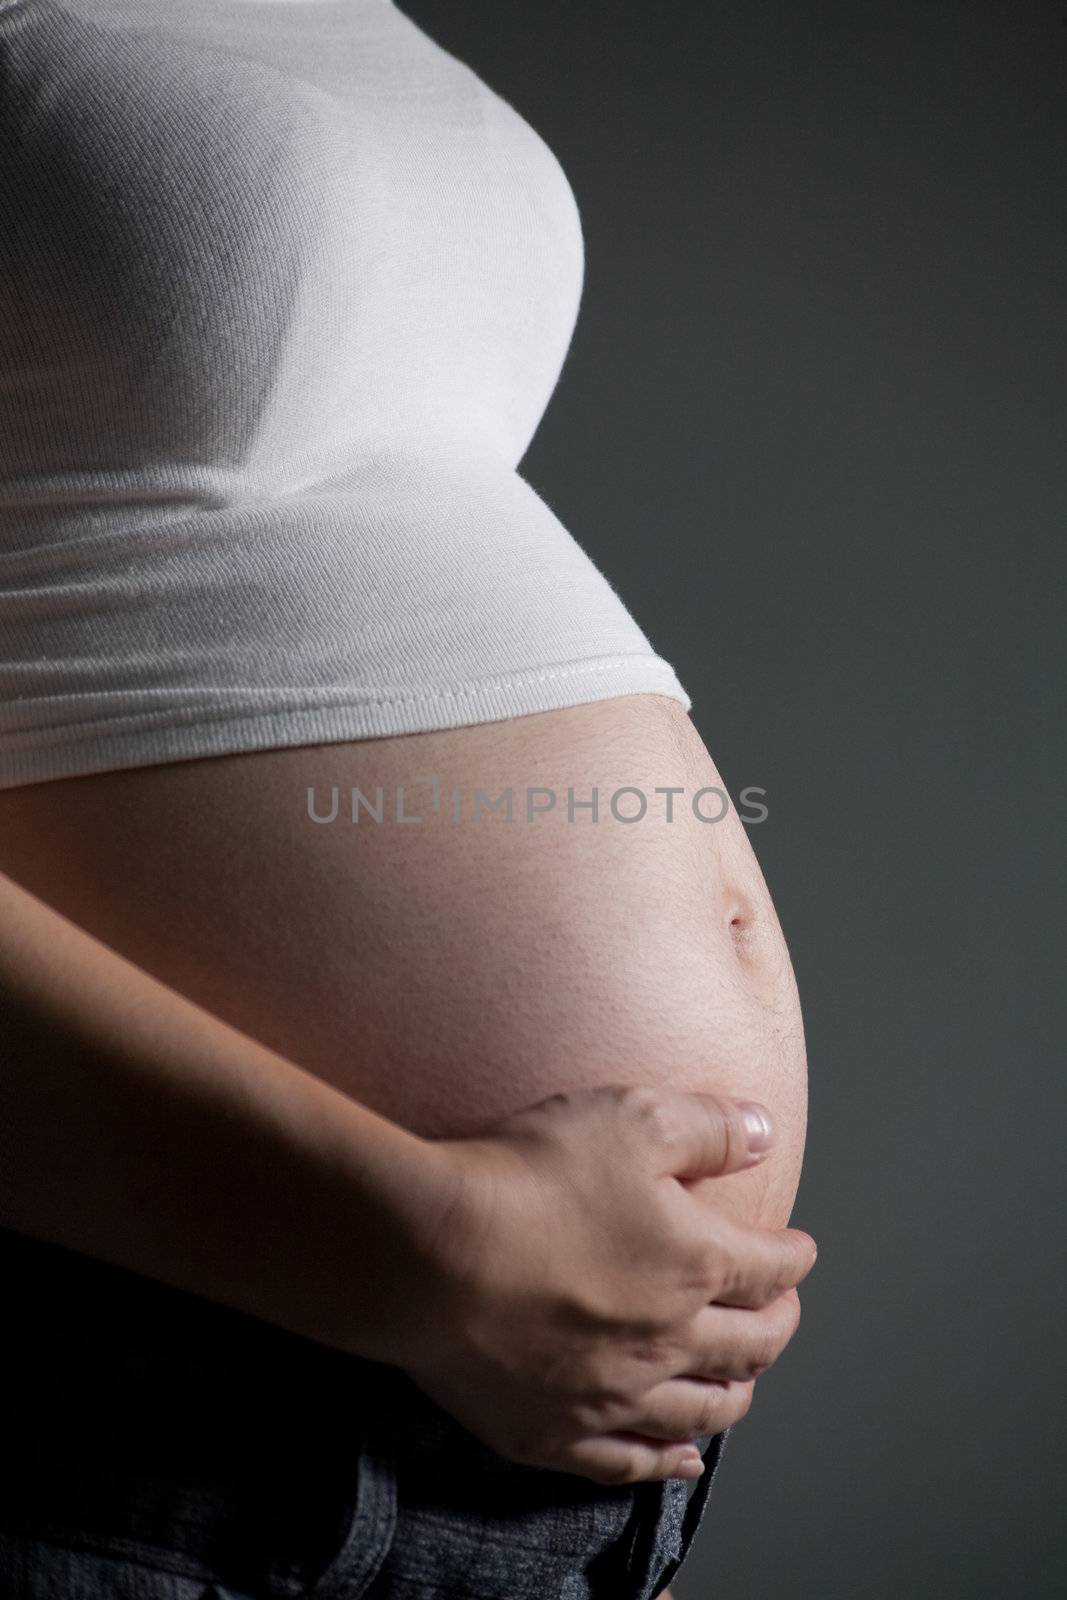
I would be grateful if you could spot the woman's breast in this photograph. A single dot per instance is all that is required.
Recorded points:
(372, 911)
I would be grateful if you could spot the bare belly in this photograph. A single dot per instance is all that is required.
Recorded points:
(447, 971)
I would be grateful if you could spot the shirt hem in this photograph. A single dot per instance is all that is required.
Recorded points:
(233, 727)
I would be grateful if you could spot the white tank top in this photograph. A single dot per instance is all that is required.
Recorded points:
(285, 290)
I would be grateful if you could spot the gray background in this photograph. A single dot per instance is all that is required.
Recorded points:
(811, 427)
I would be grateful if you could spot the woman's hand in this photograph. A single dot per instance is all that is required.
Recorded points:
(593, 1315)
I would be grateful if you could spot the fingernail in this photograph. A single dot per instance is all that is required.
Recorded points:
(689, 1470)
(758, 1126)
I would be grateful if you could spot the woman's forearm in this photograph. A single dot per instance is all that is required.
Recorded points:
(142, 1130)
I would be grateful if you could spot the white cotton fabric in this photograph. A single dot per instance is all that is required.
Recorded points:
(285, 290)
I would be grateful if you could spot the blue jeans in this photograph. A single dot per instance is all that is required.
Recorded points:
(157, 1446)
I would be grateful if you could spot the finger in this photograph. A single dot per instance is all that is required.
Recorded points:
(728, 1342)
(709, 1135)
(747, 1266)
(625, 1458)
(686, 1408)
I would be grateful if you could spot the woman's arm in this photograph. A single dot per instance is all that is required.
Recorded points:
(138, 1128)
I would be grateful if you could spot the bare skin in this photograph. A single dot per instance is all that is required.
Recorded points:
(449, 975)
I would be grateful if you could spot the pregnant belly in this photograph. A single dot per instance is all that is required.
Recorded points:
(448, 970)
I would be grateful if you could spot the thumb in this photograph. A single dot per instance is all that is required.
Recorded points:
(721, 1135)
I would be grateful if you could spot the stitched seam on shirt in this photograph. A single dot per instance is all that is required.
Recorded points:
(172, 717)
